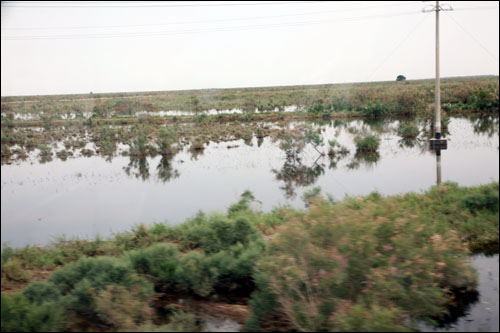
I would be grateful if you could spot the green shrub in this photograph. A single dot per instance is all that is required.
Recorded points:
(21, 315)
(236, 266)
(195, 273)
(317, 109)
(485, 99)
(367, 142)
(263, 302)
(165, 139)
(159, 261)
(40, 292)
(376, 109)
(409, 130)
(220, 232)
(12, 269)
(79, 282)
(485, 199)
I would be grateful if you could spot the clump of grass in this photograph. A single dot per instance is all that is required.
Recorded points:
(367, 143)
(63, 154)
(375, 109)
(408, 130)
(139, 146)
(87, 152)
(197, 144)
(165, 139)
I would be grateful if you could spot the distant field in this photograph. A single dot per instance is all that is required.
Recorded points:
(375, 98)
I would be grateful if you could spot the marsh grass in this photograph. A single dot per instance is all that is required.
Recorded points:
(367, 142)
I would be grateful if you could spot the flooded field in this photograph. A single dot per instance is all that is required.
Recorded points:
(85, 197)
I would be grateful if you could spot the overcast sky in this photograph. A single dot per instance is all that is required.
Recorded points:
(170, 45)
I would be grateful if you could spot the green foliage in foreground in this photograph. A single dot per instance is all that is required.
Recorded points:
(365, 264)
(373, 264)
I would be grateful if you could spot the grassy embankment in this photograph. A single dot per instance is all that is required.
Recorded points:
(367, 263)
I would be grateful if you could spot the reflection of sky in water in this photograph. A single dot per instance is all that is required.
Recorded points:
(481, 316)
(87, 196)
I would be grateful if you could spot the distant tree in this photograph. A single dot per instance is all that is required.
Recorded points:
(401, 78)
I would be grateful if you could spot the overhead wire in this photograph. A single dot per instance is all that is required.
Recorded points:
(472, 36)
(397, 46)
(213, 21)
(225, 29)
(169, 5)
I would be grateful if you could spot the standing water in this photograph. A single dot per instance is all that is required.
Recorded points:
(84, 197)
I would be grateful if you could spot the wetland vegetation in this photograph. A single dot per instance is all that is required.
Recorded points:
(354, 263)
(350, 265)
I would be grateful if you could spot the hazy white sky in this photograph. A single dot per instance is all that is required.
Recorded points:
(171, 45)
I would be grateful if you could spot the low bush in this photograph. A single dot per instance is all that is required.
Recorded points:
(408, 130)
(21, 315)
(367, 142)
(195, 273)
(160, 261)
(487, 198)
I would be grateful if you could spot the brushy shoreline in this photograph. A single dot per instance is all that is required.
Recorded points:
(366, 263)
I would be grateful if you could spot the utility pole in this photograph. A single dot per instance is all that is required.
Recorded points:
(437, 143)
(437, 97)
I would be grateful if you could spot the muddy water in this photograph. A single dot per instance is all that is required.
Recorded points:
(84, 197)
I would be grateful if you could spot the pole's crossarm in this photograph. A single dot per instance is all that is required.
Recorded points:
(437, 8)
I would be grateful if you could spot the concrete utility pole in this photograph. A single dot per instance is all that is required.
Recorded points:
(437, 142)
(437, 98)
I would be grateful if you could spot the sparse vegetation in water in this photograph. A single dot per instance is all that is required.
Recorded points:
(165, 140)
(408, 130)
(197, 145)
(336, 149)
(367, 142)
(139, 144)
(366, 271)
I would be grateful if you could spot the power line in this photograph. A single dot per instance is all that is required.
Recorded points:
(478, 8)
(213, 21)
(174, 32)
(474, 38)
(397, 47)
(170, 5)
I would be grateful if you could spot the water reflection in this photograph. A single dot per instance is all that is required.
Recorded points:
(472, 159)
(165, 169)
(488, 125)
(366, 158)
(295, 174)
(138, 167)
(438, 166)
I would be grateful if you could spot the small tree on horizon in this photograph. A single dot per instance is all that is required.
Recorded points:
(401, 78)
